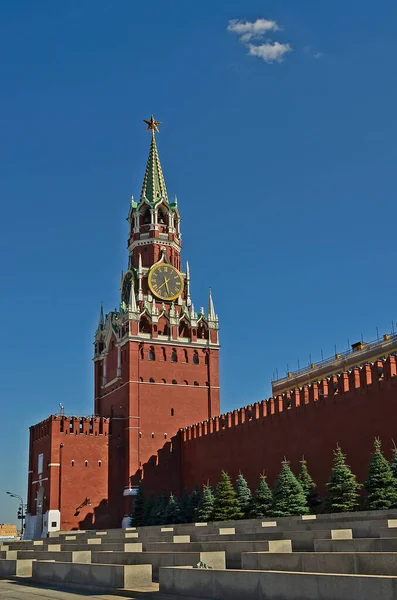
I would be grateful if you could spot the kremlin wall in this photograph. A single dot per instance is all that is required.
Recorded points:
(156, 396)
(349, 409)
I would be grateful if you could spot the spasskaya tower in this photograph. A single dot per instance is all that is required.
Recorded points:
(156, 357)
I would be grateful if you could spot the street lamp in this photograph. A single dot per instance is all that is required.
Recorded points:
(21, 514)
(86, 502)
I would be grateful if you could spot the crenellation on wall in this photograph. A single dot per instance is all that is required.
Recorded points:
(390, 367)
(70, 425)
(357, 379)
(309, 421)
(354, 378)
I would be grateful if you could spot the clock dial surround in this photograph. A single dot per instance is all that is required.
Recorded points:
(165, 282)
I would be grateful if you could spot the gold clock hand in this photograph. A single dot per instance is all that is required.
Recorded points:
(164, 283)
(166, 286)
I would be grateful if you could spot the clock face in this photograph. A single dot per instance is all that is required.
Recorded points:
(165, 282)
(128, 281)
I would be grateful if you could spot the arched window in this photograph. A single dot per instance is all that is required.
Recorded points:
(164, 354)
(165, 436)
(195, 358)
(172, 412)
(184, 329)
(174, 356)
(152, 355)
(144, 325)
(174, 381)
(206, 358)
(152, 435)
(146, 219)
(99, 463)
(163, 327)
(151, 380)
(163, 381)
(141, 356)
(185, 382)
(141, 379)
(202, 332)
(185, 356)
(72, 463)
(161, 217)
(86, 463)
(196, 383)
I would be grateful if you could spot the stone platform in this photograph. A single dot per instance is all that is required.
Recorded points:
(328, 557)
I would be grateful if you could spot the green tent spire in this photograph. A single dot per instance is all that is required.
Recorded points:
(153, 188)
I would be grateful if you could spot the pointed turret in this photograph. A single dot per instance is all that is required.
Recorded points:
(132, 307)
(211, 309)
(192, 312)
(140, 275)
(153, 188)
(101, 320)
(188, 299)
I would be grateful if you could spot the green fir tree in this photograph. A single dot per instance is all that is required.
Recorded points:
(244, 495)
(342, 486)
(226, 506)
(205, 509)
(148, 511)
(380, 484)
(262, 500)
(194, 501)
(185, 508)
(139, 515)
(308, 485)
(172, 513)
(157, 513)
(288, 496)
(393, 462)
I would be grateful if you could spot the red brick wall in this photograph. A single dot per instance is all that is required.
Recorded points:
(350, 410)
(81, 440)
(140, 407)
(40, 443)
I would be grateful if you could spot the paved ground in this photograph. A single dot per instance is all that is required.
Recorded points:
(15, 590)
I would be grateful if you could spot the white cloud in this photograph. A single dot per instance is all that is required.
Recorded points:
(251, 29)
(258, 30)
(270, 52)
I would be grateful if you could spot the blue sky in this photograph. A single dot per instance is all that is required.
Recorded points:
(281, 147)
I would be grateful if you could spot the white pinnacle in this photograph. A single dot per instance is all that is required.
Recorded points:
(192, 312)
(140, 274)
(188, 299)
(211, 309)
(101, 320)
(132, 302)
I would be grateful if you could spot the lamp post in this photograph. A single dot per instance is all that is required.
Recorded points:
(21, 513)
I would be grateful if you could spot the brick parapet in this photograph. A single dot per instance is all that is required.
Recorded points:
(75, 425)
(357, 380)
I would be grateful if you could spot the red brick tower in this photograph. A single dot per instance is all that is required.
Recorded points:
(156, 358)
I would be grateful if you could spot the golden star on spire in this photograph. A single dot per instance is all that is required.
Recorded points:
(152, 124)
